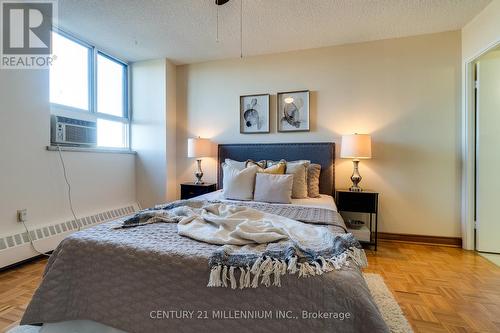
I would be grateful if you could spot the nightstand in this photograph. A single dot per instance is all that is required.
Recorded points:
(190, 190)
(360, 202)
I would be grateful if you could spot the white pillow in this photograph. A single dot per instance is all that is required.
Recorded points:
(271, 163)
(238, 184)
(273, 188)
(240, 165)
(299, 172)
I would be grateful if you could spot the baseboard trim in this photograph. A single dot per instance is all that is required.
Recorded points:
(422, 239)
(23, 262)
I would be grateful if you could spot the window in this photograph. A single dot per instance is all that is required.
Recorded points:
(86, 80)
(111, 134)
(110, 86)
(69, 74)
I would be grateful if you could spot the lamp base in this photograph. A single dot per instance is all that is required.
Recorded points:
(355, 178)
(355, 189)
(199, 174)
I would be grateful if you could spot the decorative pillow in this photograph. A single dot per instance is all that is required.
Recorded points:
(313, 172)
(238, 184)
(299, 172)
(277, 169)
(240, 165)
(300, 161)
(273, 188)
(260, 164)
(271, 163)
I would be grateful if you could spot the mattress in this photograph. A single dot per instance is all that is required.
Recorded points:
(324, 201)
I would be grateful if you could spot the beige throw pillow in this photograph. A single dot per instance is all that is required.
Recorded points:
(273, 188)
(299, 172)
(313, 172)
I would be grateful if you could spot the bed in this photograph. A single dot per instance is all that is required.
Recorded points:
(151, 279)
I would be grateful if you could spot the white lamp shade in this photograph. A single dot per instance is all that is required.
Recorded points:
(198, 147)
(357, 146)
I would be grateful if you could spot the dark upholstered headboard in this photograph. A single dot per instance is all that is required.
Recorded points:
(321, 153)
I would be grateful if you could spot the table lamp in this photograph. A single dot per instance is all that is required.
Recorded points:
(356, 146)
(198, 148)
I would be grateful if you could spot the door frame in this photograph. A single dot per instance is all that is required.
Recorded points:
(469, 149)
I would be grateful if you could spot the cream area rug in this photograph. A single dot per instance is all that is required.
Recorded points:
(389, 308)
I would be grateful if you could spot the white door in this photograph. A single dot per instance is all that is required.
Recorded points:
(488, 153)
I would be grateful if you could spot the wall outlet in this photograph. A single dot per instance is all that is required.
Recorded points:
(22, 215)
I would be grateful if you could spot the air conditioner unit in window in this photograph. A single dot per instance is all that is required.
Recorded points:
(73, 132)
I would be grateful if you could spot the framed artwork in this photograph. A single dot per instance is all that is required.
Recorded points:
(254, 114)
(293, 111)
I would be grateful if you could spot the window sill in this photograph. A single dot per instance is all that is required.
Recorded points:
(93, 150)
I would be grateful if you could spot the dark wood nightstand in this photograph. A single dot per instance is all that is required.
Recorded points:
(190, 190)
(361, 202)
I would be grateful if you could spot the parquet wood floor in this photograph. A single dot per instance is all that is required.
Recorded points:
(16, 288)
(440, 289)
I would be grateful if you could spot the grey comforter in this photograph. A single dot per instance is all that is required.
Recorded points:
(150, 279)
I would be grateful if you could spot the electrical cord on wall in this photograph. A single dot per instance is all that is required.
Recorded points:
(69, 188)
(70, 200)
(32, 242)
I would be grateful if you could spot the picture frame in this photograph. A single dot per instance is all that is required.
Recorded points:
(255, 113)
(292, 111)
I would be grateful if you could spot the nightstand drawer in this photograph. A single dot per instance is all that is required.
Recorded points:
(191, 190)
(361, 202)
(189, 193)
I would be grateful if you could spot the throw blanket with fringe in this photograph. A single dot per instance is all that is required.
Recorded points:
(314, 215)
(259, 247)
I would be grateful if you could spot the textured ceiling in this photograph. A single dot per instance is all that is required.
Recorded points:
(185, 30)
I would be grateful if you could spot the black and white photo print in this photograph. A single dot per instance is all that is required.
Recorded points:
(293, 111)
(254, 114)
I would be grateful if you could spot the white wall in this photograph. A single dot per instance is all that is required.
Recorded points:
(153, 127)
(31, 177)
(148, 130)
(171, 126)
(405, 92)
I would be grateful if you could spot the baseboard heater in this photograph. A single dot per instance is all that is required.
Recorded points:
(56, 231)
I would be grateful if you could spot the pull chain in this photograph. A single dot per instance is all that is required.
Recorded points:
(217, 38)
(241, 29)
(221, 2)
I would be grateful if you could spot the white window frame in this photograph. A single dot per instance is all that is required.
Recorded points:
(92, 88)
